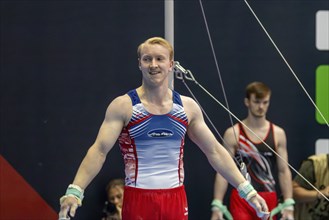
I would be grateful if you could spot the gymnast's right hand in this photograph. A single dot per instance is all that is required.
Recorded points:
(260, 206)
(69, 205)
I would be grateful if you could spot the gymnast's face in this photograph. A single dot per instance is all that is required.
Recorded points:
(155, 63)
(257, 106)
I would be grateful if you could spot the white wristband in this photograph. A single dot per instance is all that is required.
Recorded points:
(246, 190)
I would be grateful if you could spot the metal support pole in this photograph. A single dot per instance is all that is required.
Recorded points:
(169, 30)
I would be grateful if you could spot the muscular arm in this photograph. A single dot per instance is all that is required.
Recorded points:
(106, 138)
(115, 118)
(284, 174)
(217, 155)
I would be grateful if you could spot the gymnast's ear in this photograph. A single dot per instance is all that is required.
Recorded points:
(139, 64)
(246, 102)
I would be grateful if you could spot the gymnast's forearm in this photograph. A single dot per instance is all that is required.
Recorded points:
(224, 165)
(89, 167)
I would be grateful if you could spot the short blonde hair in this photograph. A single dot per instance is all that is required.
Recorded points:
(156, 40)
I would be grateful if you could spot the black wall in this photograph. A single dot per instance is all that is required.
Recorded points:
(62, 62)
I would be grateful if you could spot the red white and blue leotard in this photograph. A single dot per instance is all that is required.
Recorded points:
(152, 146)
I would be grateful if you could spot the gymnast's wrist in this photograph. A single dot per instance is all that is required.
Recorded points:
(289, 204)
(216, 205)
(246, 190)
(73, 191)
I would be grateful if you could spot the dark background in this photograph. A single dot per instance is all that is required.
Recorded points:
(62, 62)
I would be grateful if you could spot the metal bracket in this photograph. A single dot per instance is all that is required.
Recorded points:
(182, 73)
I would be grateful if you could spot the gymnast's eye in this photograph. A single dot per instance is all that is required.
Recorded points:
(147, 59)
